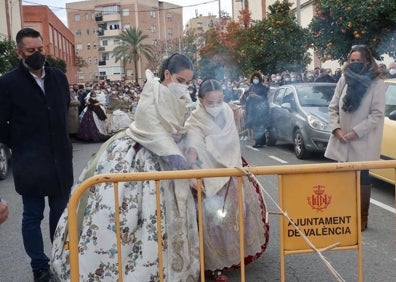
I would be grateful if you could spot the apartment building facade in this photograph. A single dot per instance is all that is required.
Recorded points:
(97, 23)
(58, 39)
(10, 18)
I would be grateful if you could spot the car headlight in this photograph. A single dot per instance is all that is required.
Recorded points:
(317, 123)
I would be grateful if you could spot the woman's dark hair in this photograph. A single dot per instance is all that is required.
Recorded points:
(174, 64)
(367, 58)
(209, 85)
(26, 32)
(258, 75)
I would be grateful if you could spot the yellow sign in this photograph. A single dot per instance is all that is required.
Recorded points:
(324, 207)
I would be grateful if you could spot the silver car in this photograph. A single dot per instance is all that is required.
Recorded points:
(299, 116)
(5, 155)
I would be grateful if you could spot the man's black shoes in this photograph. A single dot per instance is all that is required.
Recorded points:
(44, 275)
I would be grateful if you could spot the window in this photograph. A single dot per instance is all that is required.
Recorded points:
(81, 76)
(88, 46)
(96, 60)
(77, 17)
(78, 32)
(169, 16)
(125, 12)
(170, 31)
(79, 46)
(127, 26)
(94, 45)
(86, 16)
(390, 104)
(105, 43)
(87, 31)
(153, 13)
(153, 28)
(105, 56)
(89, 61)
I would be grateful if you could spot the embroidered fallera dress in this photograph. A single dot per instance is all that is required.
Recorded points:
(218, 146)
(159, 117)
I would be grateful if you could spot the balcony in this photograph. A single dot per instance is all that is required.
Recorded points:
(103, 65)
(99, 17)
(101, 48)
(112, 32)
(112, 17)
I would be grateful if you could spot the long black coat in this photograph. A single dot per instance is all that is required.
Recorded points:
(34, 126)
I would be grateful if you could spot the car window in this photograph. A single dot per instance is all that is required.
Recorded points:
(315, 96)
(390, 104)
(278, 96)
(289, 98)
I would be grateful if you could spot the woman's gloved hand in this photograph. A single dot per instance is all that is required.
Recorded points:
(176, 162)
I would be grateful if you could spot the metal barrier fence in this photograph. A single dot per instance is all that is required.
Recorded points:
(189, 174)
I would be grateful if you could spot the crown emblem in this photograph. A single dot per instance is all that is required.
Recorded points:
(319, 200)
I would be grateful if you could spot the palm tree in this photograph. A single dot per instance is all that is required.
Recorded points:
(131, 48)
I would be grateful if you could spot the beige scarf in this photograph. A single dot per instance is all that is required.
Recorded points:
(159, 117)
(217, 147)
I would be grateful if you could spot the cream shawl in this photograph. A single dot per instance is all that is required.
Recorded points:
(159, 116)
(216, 147)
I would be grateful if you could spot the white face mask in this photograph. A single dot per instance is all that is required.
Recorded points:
(178, 89)
(255, 81)
(392, 71)
(97, 91)
(214, 111)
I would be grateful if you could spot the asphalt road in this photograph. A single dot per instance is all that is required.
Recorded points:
(379, 241)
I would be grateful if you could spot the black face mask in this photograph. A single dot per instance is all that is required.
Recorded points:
(35, 61)
(356, 67)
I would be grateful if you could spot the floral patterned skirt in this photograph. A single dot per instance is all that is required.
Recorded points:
(97, 242)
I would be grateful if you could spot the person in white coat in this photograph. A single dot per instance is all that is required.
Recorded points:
(356, 114)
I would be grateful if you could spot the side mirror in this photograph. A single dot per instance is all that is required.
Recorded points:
(392, 115)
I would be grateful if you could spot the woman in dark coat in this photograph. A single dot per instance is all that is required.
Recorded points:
(257, 109)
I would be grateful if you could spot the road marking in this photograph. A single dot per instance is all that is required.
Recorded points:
(250, 147)
(381, 205)
(278, 159)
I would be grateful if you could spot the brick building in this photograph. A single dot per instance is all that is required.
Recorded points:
(96, 24)
(58, 39)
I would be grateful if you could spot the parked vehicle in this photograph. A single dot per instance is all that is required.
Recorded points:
(299, 116)
(5, 155)
(388, 148)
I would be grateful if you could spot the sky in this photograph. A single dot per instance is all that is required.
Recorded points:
(190, 7)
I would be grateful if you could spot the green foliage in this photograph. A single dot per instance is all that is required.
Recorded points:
(56, 63)
(339, 25)
(276, 43)
(8, 57)
(132, 48)
(271, 45)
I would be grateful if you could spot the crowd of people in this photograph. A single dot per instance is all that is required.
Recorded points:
(99, 110)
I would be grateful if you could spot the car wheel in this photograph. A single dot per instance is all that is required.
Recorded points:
(270, 139)
(299, 147)
(3, 162)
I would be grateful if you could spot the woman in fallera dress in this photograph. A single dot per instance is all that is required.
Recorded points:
(93, 122)
(149, 144)
(212, 141)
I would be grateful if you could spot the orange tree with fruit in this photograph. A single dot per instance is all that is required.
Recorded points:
(274, 44)
(340, 24)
